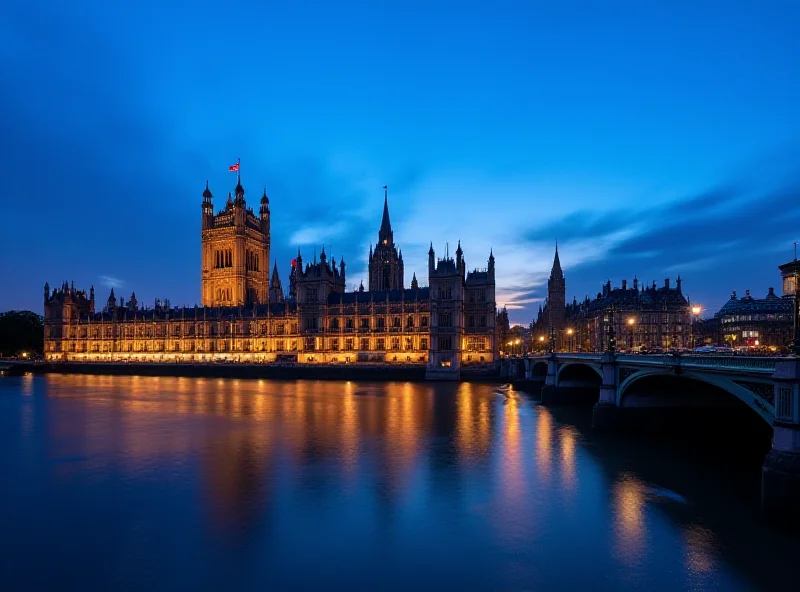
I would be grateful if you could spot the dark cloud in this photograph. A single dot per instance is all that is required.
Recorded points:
(714, 241)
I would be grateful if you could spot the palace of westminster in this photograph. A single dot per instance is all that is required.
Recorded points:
(246, 316)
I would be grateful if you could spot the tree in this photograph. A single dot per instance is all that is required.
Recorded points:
(21, 331)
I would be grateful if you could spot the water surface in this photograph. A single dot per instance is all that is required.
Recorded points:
(203, 484)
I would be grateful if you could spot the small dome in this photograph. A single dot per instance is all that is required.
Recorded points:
(207, 192)
(264, 198)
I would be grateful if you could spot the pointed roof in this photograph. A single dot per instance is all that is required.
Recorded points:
(239, 191)
(385, 232)
(275, 282)
(556, 271)
(207, 192)
(264, 198)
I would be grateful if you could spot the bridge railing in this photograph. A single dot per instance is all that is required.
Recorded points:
(764, 365)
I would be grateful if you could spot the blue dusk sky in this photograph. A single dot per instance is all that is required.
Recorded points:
(655, 139)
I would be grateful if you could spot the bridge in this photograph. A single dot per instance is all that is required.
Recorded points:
(618, 383)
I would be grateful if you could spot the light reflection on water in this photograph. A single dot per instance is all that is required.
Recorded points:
(205, 483)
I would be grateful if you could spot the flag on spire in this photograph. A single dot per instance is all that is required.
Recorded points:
(234, 168)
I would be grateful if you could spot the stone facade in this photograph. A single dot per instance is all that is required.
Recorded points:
(235, 247)
(642, 317)
(247, 317)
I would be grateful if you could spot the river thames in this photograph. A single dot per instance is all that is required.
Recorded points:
(119, 483)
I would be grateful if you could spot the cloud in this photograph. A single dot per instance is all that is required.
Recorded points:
(111, 282)
(317, 235)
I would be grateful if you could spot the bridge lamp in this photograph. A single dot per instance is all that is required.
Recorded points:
(631, 321)
(696, 310)
(541, 337)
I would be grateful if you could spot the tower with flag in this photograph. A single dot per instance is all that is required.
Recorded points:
(235, 249)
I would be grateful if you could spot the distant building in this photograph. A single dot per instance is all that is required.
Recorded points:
(247, 317)
(650, 317)
(756, 322)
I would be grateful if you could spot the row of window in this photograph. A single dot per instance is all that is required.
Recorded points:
(757, 317)
(280, 345)
(223, 258)
(334, 324)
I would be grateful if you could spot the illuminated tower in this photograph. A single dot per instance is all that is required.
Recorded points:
(385, 264)
(235, 251)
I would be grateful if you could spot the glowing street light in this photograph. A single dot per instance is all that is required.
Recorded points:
(631, 323)
(696, 310)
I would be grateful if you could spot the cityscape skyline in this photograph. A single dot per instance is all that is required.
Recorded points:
(676, 159)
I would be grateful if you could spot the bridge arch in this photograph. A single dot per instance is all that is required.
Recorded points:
(539, 368)
(755, 402)
(577, 371)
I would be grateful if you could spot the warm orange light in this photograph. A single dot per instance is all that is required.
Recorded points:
(517, 342)
(631, 321)
(696, 310)
(570, 331)
(541, 338)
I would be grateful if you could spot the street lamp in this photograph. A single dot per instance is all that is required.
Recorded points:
(695, 311)
(570, 332)
(631, 323)
(541, 341)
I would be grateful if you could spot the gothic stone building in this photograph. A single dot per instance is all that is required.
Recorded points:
(247, 317)
(642, 317)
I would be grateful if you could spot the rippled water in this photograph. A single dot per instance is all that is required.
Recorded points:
(175, 483)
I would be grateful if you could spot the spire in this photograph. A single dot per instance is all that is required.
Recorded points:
(239, 189)
(556, 271)
(264, 198)
(207, 192)
(275, 282)
(430, 251)
(459, 252)
(414, 283)
(385, 234)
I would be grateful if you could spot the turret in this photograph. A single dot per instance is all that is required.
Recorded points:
(431, 260)
(460, 263)
(111, 304)
(46, 292)
(264, 213)
(341, 268)
(678, 282)
(208, 208)
(91, 299)
(132, 304)
(414, 283)
(491, 265)
(275, 286)
(239, 192)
